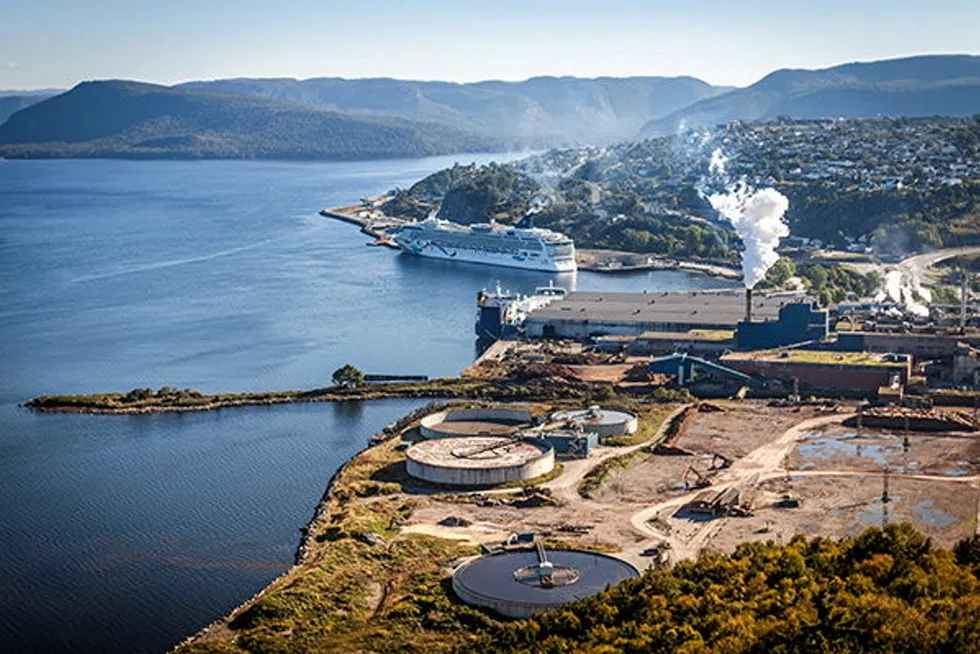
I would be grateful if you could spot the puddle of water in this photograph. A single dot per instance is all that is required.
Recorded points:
(936, 517)
(825, 448)
(955, 472)
(875, 511)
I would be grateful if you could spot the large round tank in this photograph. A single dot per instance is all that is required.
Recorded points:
(520, 584)
(604, 422)
(479, 460)
(485, 421)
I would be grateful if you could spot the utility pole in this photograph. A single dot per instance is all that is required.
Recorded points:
(884, 500)
(964, 292)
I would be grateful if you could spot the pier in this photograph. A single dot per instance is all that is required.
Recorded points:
(370, 219)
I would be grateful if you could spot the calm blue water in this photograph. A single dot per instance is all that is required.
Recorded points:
(128, 533)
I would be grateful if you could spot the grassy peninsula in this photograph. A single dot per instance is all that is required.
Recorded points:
(172, 400)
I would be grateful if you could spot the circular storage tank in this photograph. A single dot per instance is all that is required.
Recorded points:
(474, 422)
(479, 460)
(604, 422)
(520, 584)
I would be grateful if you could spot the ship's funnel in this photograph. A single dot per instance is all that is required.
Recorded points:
(748, 305)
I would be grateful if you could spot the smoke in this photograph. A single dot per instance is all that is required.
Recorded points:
(756, 215)
(905, 291)
(540, 202)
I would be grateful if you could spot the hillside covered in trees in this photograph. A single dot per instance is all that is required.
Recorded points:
(928, 85)
(890, 186)
(537, 112)
(135, 120)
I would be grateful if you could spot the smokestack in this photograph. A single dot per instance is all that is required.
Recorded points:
(964, 291)
(748, 305)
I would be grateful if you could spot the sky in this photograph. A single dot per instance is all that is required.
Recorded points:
(58, 43)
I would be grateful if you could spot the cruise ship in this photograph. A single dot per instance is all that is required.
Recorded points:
(522, 246)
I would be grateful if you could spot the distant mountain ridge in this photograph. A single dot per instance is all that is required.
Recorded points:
(335, 118)
(947, 85)
(13, 101)
(136, 120)
(535, 112)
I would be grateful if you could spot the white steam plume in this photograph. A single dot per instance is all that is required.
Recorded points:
(756, 215)
(904, 290)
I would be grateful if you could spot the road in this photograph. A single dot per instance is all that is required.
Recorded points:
(913, 270)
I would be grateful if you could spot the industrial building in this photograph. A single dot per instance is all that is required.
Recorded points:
(569, 444)
(705, 342)
(823, 369)
(583, 315)
(922, 344)
(518, 584)
(797, 322)
(701, 322)
(479, 460)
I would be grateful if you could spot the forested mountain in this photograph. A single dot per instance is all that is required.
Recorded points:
(936, 85)
(10, 104)
(537, 111)
(334, 118)
(136, 120)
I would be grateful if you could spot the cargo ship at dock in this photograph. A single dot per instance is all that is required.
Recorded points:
(501, 314)
(521, 246)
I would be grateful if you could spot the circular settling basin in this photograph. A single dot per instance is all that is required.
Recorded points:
(605, 422)
(507, 583)
(479, 460)
(475, 422)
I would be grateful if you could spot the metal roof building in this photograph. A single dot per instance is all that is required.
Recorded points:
(587, 314)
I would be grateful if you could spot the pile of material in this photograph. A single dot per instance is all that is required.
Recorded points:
(543, 373)
(677, 424)
(914, 419)
(950, 397)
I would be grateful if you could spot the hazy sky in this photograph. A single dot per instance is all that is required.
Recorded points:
(57, 43)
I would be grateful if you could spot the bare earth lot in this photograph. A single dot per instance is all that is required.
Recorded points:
(800, 451)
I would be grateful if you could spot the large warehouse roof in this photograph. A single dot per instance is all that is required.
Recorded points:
(707, 308)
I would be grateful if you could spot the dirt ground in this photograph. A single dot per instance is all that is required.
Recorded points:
(845, 506)
(742, 427)
(802, 451)
(612, 373)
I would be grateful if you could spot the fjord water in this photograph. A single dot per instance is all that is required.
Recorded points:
(128, 533)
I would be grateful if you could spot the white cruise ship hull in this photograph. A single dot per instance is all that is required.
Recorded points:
(526, 262)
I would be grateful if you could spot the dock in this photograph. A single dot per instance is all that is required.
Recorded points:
(370, 219)
(615, 261)
(495, 352)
